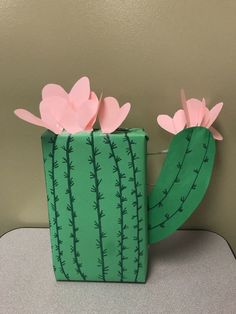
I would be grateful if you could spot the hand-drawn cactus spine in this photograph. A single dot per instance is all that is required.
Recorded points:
(53, 204)
(136, 204)
(94, 175)
(120, 206)
(70, 206)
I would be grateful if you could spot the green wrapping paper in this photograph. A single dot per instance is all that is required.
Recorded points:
(97, 199)
(96, 192)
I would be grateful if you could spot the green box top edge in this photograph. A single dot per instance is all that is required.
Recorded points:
(118, 133)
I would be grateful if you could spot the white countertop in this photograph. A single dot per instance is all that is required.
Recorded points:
(190, 272)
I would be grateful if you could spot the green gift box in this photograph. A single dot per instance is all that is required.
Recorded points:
(100, 225)
(97, 202)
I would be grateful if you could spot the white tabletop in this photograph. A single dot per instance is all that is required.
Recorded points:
(190, 272)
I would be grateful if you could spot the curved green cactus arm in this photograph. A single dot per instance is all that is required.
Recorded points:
(182, 183)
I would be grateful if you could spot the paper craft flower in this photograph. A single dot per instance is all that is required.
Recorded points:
(111, 115)
(74, 111)
(194, 113)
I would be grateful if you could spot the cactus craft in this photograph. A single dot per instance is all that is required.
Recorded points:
(100, 216)
(182, 183)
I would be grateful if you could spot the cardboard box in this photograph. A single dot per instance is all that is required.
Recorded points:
(97, 202)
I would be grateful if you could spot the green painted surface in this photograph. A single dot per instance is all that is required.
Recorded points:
(96, 190)
(182, 183)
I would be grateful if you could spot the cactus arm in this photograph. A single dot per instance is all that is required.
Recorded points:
(182, 183)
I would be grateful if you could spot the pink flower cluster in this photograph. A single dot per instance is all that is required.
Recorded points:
(77, 110)
(194, 113)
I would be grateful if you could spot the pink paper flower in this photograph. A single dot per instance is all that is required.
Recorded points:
(74, 112)
(194, 113)
(111, 115)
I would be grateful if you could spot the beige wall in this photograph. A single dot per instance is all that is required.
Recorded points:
(138, 51)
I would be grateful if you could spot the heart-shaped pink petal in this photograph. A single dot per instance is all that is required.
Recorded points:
(70, 122)
(206, 117)
(93, 96)
(80, 92)
(54, 108)
(196, 111)
(179, 120)
(90, 125)
(214, 112)
(203, 111)
(166, 123)
(80, 120)
(53, 90)
(111, 115)
(52, 111)
(29, 117)
(216, 134)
